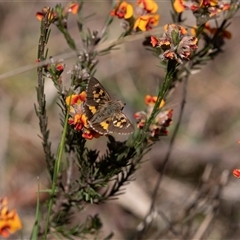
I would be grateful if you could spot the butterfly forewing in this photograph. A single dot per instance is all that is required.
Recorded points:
(104, 114)
(96, 94)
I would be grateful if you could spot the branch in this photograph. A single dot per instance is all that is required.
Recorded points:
(164, 164)
(41, 108)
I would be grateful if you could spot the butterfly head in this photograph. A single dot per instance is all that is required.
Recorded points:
(121, 104)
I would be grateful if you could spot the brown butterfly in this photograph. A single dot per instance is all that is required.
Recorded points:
(104, 114)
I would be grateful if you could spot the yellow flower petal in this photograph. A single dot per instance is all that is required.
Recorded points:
(151, 6)
(123, 10)
(68, 98)
(15, 222)
(9, 220)
(213, 2)
(146, 22)
(129, 11)
(178, 6)
(155, 7)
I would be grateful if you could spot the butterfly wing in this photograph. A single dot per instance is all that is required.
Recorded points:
(102, 127)
(97, 96)
(96, 93)
(119, 123)
(95, 105)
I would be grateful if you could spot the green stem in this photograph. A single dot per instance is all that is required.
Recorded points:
(35, 230)
(56, 170)
(171, 68)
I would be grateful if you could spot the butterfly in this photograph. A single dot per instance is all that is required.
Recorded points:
(105, 114)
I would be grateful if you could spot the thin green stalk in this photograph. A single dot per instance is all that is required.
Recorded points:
(161, 94)
(68, 38)
(56, 170)
(36, 225)
(172, 140)
(167, 157)
(41, 107)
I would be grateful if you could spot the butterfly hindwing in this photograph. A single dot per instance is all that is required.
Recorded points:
(120, 124)
(102, 127)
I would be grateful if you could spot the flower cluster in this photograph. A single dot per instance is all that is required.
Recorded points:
(205, 10)
(175, 43)
(208, 8)
(58, 13)
(212, 35)
(9, 220)
(141, 18)
(159, 126)
(77, 117)
(212, 31)
(53, 70)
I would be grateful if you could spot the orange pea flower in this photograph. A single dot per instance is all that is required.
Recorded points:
(73, 8)
(179, 6)
(9, 220)
(154, 41)
(54, 14)
(151, 100)
(77, 117)
(211, 7)
(90, 134)
(141, 18)
(161, 122)
(236, 173)
(76, 98)
(150, 6)
(211, 31)
(45, 10)
(123, 10)
(146, 22)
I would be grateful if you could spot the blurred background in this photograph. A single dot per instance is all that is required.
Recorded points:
(208, 136)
